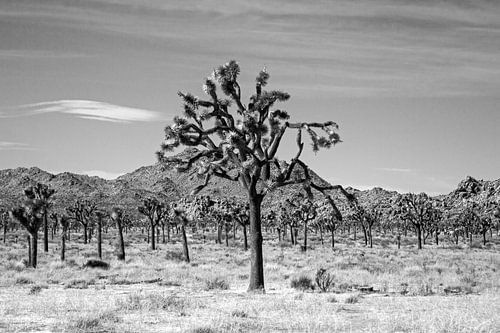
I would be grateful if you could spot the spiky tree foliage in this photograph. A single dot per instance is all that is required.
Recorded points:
(82, 211)
(305, 209)
(155, 211)
(116, 216)
(30, 216)
(44, 193)
(242, 146)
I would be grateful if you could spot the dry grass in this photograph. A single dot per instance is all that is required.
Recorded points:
(434, 290)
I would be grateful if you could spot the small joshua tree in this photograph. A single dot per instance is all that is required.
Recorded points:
(82, 212)
(64, 222)
(324, 280)
(4, 221)
(182, 220)
(30, 216)
(116, 216)
(100, 216)
(44, 193)
(305, 210)
(155, 211)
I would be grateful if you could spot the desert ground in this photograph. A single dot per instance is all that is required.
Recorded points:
(445, 288)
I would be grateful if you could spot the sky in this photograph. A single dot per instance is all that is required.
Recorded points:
(88, 86)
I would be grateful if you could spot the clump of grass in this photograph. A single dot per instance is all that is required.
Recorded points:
(23, 280)
(79, 283)
(239, 314)
(92, 322)
(352, 299)
(302, 283)
(151, 301)
(205, 329)
(35, 290)
(332, 299)
(216, 283)
(95, 263)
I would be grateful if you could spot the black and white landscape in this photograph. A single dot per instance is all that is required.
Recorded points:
(216, 166)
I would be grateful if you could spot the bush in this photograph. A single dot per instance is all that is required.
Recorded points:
(332, 299)
(302, 283)
(353, 299)
(24, 280)
(216, 283)
(95, 263)
(239, 313)
(324, 280)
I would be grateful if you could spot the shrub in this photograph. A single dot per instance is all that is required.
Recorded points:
(35, 290)
(216, 283)
(332, 299)
(23, 280)
(302, 283)
(239, 313)
(203, 330)
(324, 280)
(352, 299)
(95, 263)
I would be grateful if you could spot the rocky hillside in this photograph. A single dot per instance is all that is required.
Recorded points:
(168, 184)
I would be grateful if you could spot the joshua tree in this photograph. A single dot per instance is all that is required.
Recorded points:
(100, 215)
(64, 221)
(44, 193)
(155, 211)
(328, 218)
(246, 147)
(4, 221)
(30, 215)
(82, 212)
(305, 209)
(116, 216)
(182, 219)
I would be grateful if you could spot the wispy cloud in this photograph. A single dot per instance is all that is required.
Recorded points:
(403, 170)
(39, 54)
(7, 145)
(85, 109)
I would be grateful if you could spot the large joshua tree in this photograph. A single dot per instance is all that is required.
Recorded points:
(242, 145)
(44, 193)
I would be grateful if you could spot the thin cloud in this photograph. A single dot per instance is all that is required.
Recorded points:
(403, 170)
(7, 145)
(90, 110)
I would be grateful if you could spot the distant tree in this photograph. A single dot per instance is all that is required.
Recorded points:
(328, 218)
(155, 211)
(30, 216)
(418, 209)
(183, 220)
(64, 222)
(82, 212)
(306, 210)
(44, 193)
(116, 216)
(246, 147)
(4, 222)
(100, 215)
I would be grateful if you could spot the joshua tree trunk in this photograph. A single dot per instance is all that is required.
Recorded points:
(245, 238)
(33, 249)
(332, 230)
(355, 228)
(4, 232)
(185, 244)
(305, 237)
(365, 234)
(234, 233)
(256, 257)
(153, 241)
(99, 237)
(45, 233)
(370, 235)
(399, 241)
(219, 233)
(484, 236)
(436, 235)
(121, 244)
(226, 231)
(63, 245)
(85, 234)
(291, 235)
(321, 234)
(163, 233)
(419, 236)
(29, 251)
